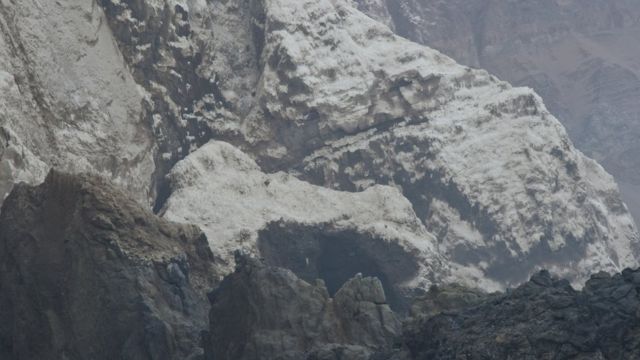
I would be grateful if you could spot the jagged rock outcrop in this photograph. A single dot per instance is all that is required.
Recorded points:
(166, 44)
(581, 57)
(87, 273)
(262, 312)
(544, 318)
(268, 313)
(68, 100)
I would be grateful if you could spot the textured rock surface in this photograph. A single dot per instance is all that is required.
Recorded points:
(319, 91)
(262, 312)
(542, 319)
(68, 100)
(346, 149)
(284, 317)
(87, 273)
(17, 163)
(341, 102)
(581, 57)
(223, 190)
(446, 298)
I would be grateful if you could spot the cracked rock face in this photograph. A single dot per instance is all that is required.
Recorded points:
(268, 313)
(308, 134)
(87, 273)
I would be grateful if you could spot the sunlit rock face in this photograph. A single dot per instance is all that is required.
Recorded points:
(314, 231)
(581, 57)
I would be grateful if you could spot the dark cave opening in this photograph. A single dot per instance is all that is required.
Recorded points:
(340, 260)
(335, 256)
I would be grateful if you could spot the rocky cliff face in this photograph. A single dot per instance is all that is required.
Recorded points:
(544, 318)
(338, 146)
(326, 95)
(581, 57)
(485, 166)
(314, 231)
(86, 273)
(307, 134)
(68, 99)
(261, 312)
(269, 313)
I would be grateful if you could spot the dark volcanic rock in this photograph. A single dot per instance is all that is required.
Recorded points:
(262, 312)
(86, 273)
(543, 319)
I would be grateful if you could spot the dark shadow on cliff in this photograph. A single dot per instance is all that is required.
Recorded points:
(335, 256)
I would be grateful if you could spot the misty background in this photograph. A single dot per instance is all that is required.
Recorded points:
(581, 56)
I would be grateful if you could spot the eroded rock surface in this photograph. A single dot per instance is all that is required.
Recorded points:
(346, 149)
(262, 312)
(68, 100)
(344, 135)
(543, 318)
(288, 221)
(87, 273)
(319, 91)
(283, 317)
(341, 102)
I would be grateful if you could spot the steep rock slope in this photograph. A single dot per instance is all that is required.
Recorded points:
(341, 102)
(267, 313)
(87, 273)
(581, 57)
(68, 100)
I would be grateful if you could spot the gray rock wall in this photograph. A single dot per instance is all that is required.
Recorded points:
(87, 273)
